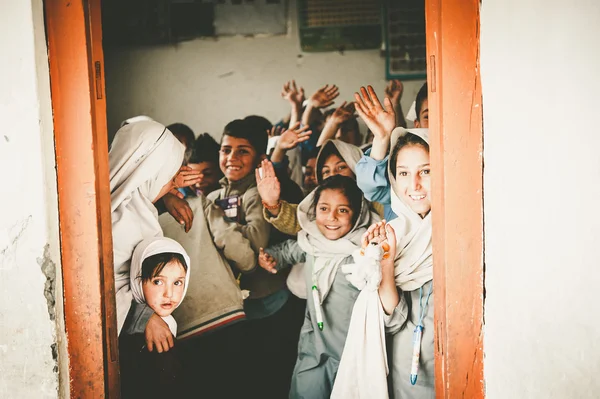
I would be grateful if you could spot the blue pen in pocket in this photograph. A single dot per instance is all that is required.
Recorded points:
(414, 367)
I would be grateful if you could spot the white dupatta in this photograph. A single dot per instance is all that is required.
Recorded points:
(144, 156)
(145, 249)
(363, 369)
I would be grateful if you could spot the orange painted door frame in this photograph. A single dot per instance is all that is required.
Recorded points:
(456, 156)
(76, 63)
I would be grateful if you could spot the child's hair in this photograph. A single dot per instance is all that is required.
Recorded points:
(421, 96)
(259, 122)
(154, 264)
(347, 186)
(406, 140)
(184, 131)
(244, 129)
(206, 149)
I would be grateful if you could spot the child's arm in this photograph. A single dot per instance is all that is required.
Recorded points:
(228, 238)
(295, 97)
(394, 90)
(280, 256)
(256, 229)
(280, 214)
(322, 98)
(341, 115)
(286, 219)
(289, 140)
(372, 179)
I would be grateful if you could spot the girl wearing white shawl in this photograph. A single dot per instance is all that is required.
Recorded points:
(330, 295)
(364, 365)
(406, 278)
(144, 159)
(160, 272)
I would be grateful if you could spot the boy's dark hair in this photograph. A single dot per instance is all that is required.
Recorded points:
(408, 139)
(184, 131)
(154, 264)
(421, 96)
(259, 122)
(205, 149)
(347, 186)
(251, 131)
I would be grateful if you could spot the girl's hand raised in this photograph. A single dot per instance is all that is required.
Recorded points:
(293, 136)
(380, 120)
(267, 262)
(268, 186)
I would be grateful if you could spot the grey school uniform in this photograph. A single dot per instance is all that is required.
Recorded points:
(401, 342)
(319, 352)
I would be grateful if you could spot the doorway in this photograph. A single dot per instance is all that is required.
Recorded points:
(79, 104)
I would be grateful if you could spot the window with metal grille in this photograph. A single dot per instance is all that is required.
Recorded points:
(329, 25)
(404, 25)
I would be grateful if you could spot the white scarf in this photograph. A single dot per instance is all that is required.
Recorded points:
(363, 368)
(349, 153)
(414, 255)
(154, 246)
(144, 156)
(329, 254)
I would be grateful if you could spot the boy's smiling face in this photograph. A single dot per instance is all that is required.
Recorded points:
(237, 158)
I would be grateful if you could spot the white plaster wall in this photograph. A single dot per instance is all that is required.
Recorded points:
(206, 83)
(540, 68)
(28, 215)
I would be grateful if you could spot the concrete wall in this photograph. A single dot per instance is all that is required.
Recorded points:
(206, 83)
(539, 66)
(30, 286)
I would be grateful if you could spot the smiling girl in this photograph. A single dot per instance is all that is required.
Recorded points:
(406, 290)
(333, 219)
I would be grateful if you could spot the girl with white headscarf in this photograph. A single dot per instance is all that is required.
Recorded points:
(406, 276)
(144, 159)
(159, 276)
(324, 248)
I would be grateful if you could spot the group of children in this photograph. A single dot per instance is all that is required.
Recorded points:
(268, 236)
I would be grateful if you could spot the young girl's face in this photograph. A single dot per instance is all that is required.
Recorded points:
(237, 158)
(412, 178)
(334, 165)
(164, 291)
(333, 214)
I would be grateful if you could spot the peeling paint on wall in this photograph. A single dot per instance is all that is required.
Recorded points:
(49, 269)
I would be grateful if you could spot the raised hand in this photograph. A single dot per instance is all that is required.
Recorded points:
(291, 93)
(293, 136)
(343, 113)
(381, 120)
(186, 177)
(267, 262)
(394, 90)
(324, 97)
(267, 184)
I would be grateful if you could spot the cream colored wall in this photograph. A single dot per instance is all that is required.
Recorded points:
(206, 83)
(32, 341)
(540, 68)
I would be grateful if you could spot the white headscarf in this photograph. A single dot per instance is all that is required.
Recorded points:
(414, 255)
(145, 249)
(329, 254)
(363, 366)
(144, 156)
(349, 153)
